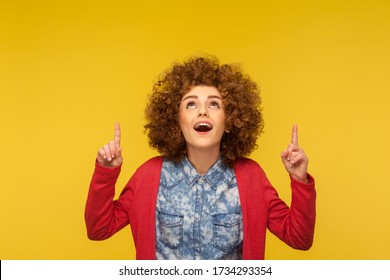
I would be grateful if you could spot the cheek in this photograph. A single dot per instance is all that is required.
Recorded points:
(184, 122)
(222, 120)
(181, 117)
(186, 116)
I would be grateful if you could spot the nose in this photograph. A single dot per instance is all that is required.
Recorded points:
(202, 111)
(202, 114)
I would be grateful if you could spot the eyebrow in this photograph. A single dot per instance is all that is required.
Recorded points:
(196, 97)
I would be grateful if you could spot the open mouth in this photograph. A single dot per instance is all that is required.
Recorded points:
(203, 127)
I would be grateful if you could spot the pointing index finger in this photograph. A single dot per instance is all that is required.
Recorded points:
(294, 135)
(117, 135)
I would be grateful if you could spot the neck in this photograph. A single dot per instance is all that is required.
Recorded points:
(203, 160)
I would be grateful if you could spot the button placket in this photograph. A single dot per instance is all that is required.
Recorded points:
(197, 216)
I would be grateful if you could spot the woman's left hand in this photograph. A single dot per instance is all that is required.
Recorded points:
(294, 158)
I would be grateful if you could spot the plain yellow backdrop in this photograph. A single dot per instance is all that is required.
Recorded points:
(70, 69)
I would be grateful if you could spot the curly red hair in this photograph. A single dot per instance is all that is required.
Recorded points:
(241, 100)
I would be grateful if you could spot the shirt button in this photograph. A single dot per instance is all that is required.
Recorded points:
(197, 220)
(201, 180)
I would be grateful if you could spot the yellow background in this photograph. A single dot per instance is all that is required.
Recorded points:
(70, 69)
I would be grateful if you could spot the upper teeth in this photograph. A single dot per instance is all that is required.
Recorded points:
(202, 124)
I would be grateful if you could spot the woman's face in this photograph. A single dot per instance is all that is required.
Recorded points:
(202, 118)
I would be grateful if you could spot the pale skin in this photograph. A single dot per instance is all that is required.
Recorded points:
(110, 155)
(202, 104)
(294, 158)
(200, 155)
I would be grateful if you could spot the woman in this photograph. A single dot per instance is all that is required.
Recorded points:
(202, 199)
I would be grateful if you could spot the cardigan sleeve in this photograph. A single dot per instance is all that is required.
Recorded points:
(103, 215)
(293, 224)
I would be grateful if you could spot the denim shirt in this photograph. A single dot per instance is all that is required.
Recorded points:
(198, 217)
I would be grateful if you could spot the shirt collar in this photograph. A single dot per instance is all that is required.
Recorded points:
(214, 175)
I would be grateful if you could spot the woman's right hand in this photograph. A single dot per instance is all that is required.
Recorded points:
(110, 154)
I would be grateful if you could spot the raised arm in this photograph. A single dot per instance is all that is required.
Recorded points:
(103, 215)
(295, 224)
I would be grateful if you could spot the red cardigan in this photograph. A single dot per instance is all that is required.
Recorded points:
(261, 208)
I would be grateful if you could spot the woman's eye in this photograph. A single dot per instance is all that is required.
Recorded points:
(190, 105)
(214, 104)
